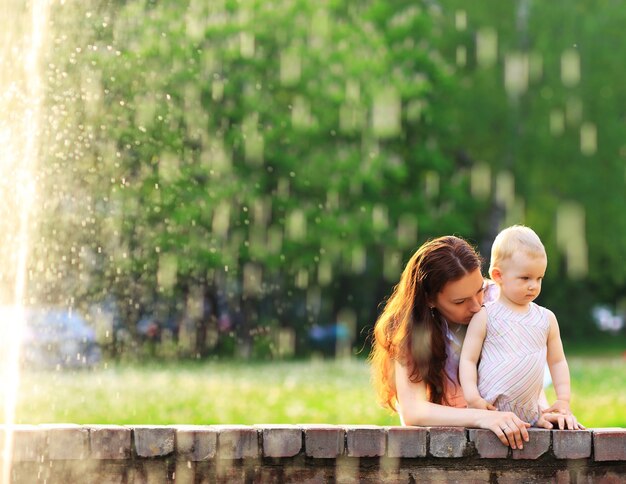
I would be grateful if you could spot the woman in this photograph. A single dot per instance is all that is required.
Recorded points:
(418, 338)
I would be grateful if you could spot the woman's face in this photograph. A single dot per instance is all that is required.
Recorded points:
(459, 300)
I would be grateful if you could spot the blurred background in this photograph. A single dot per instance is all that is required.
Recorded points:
(226, 191)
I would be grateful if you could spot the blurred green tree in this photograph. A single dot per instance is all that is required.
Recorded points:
(299, 149)
(290, 157)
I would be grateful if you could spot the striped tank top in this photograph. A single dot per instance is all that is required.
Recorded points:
(513, 357)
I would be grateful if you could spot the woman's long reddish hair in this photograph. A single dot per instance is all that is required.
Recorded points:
(408, 331)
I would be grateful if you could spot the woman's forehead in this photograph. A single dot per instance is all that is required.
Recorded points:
(465, 287)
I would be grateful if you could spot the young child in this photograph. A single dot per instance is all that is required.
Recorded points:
(511, 338)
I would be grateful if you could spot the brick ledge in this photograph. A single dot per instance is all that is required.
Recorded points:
(196, 443)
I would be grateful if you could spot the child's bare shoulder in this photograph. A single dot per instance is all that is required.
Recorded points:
(480, 316)
(548, 312)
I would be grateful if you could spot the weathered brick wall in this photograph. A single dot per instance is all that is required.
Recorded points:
(309, 453)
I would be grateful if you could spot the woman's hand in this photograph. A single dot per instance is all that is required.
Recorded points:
(507, 426)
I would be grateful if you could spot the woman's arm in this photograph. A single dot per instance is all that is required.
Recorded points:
(417, 410)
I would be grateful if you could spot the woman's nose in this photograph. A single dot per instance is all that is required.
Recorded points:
(476, 304)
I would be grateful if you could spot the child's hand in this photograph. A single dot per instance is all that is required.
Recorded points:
(559, 421)
(481, 403)
(560, 406)
(560, 415)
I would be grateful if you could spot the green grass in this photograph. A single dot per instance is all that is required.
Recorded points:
(598, 390)
(209, 393)
(335, 392)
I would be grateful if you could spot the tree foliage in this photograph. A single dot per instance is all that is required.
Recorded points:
(292, 155)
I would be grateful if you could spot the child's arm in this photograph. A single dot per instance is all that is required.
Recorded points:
(558, 414)
(470, 353)
(558, 368)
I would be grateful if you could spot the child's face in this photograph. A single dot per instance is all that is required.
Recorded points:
(520, 277)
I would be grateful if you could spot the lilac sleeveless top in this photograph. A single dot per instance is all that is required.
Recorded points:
(512, 361)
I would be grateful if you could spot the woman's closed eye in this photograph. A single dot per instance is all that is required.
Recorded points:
(463, 301)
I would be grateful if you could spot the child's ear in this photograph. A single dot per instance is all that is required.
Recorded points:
(496, 274)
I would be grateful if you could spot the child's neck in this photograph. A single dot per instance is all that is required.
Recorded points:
(518, 308)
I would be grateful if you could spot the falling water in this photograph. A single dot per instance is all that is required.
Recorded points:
(22, 30)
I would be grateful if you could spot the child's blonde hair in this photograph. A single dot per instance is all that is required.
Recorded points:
(517, 238)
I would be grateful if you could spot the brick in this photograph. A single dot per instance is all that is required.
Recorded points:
(110, 441)
(154, 440)
(23, 472)
(237, 442)
(447, 442)
(80, 471)
(228, 472)
(101, 471)
(562, 477)
(347, 471)
(464, 476)
(66, 441)
(609, 444)
(29, 442)
(196, 442)
(281, 440)
(537, 445)
(323, 441)
(111, 479)
(204, 472)
(514, 477)
(151, 471)
(365, 440)
(488, 445)
(571, 444)
(185, 471)
(265, 474)
(309, 475)
(69, 471)
(603, 477)
(388, 466)
(393, 473)
(406, 442)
